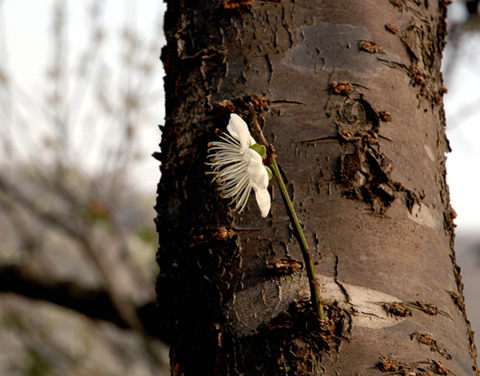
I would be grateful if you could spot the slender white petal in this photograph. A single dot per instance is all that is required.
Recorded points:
(257, 172)
(263, 201)
(238, 168)
(239, 130)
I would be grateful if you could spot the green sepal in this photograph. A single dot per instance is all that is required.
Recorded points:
(269, 172)
(260, 149)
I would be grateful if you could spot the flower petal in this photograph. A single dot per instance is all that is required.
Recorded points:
(239, 130)
(263, 200)
(256, 170)
(238, 168)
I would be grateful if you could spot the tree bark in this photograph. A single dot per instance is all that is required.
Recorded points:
(350, 95)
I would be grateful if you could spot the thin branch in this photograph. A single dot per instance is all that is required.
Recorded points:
(124, 306)
(94, 303)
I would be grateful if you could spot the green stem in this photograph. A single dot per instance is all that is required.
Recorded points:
(312, 275)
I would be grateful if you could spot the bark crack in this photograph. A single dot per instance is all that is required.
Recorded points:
(340, 284)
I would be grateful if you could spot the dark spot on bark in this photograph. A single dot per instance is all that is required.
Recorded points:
(369, 46)
(442, 23)
(351, 166)
(421, 368)
(261, 102)
(236, 4)
(448, 216)
(439, 368)
(428, 308)
(222, 234)
(240, 105)
(460, 303)
(367, 175)
(342, 87)
(365, 172)
(424, 44)
(284, 266)
(393, 29)
(411, 200)
(224, 107)
(385, 116)
(458, 300)
(397, 309)
(428, 340)
(398, 4)
(391, 365)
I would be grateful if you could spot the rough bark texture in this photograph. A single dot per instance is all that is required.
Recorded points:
(350, 94)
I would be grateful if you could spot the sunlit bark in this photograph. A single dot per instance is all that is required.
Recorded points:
(350, 95)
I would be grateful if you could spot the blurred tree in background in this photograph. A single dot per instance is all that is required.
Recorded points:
(77, 263)
(460, 69)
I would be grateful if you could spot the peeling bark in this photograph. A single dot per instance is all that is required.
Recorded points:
(350, 94)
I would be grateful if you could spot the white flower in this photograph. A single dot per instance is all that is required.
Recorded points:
(239, 168)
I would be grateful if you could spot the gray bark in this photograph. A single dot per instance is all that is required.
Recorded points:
(350, 95)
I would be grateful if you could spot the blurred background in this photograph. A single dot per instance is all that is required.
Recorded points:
(81, 97)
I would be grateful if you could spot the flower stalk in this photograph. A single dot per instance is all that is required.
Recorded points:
(312, 276)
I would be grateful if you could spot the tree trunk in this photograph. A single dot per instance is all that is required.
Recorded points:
(350, 95)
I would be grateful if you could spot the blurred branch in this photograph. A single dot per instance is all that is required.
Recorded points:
(14, 193)
(463, 113)
(81, 232)
(64, 192)
(123, 305)
(94, 303)
(458, 29)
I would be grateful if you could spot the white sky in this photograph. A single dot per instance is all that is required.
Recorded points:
(25, 50)
(462, 106)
